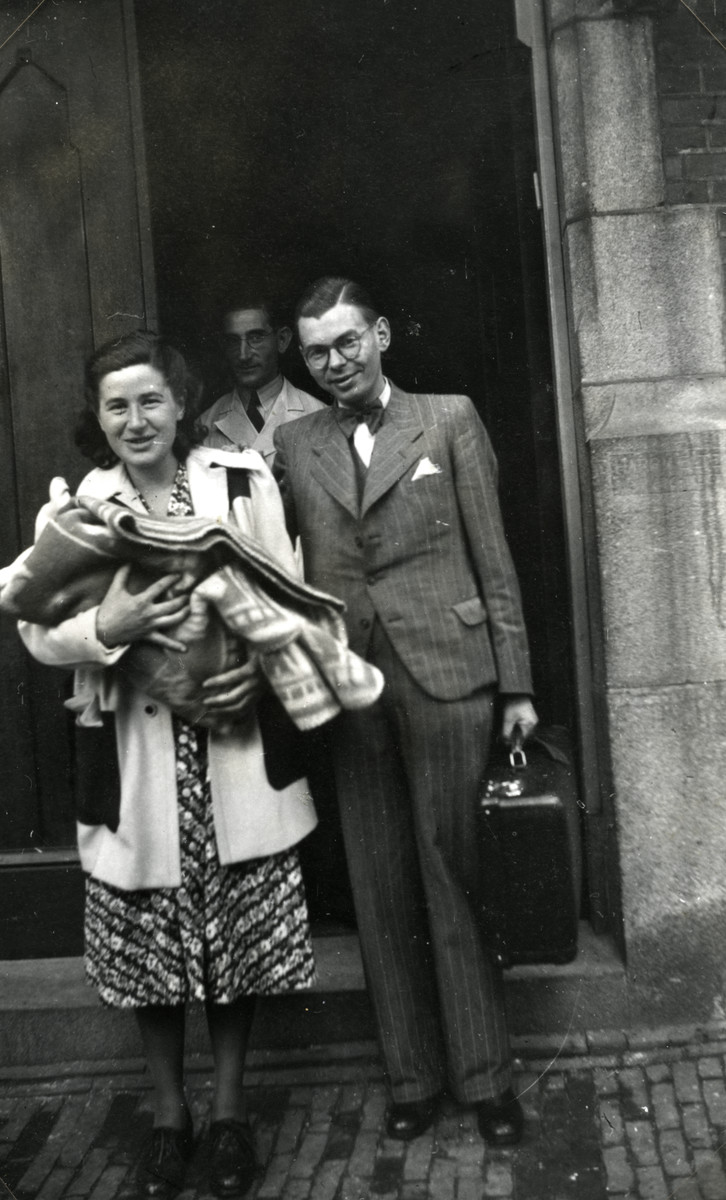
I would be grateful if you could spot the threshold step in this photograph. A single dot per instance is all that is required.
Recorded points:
(48, 1014)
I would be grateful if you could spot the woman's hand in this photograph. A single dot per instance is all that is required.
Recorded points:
(236, 691)
(142, 617)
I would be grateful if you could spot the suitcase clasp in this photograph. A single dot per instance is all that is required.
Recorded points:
(506, 788)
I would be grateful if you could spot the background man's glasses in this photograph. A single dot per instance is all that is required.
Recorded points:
(347, 346)
(254, 339)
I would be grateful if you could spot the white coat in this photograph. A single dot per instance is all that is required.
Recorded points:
(251, 819)
(230, 428)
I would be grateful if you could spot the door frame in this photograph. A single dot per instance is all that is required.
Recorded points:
(578, 512)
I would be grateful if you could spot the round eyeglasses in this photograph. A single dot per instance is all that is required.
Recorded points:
(255, 338)
(347, 346)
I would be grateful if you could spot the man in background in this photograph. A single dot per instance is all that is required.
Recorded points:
(255, 337)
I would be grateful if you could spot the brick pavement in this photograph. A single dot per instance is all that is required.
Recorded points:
(609, 1117)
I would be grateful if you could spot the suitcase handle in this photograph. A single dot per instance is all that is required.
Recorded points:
(517, 757)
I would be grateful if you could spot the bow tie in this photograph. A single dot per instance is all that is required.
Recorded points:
(350, 418)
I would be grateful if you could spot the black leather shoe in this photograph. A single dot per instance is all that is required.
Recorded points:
(407, 1121)
(501, 1121)
(232, 1159)
(160, 1174)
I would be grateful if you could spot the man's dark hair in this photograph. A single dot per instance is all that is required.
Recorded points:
(273, 309)
(133, 349)
(330, 290)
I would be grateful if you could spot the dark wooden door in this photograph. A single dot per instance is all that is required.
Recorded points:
(74, 271)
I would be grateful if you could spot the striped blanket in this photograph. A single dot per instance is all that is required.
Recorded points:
(242, 605)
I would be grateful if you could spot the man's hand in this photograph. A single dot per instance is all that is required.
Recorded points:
(143, 617)
(234, 692)
(518, 710)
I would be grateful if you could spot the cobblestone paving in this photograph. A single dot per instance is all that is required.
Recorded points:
(609, 1117)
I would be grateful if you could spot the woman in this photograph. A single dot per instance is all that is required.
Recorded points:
(166, 922)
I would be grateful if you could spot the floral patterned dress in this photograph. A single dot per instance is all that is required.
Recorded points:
(227, 931)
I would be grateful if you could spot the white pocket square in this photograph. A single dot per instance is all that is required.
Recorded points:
(425, 467)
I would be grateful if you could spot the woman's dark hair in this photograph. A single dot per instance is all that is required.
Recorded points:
(330, 290)
(130, 351)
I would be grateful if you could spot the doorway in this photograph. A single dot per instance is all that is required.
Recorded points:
(389, 140)
(392, 143)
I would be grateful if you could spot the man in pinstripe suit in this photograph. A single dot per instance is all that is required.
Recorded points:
(395, 502)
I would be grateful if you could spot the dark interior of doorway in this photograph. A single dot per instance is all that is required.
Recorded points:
(391, 141)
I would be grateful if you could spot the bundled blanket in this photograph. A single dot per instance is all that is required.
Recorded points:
(242, 605)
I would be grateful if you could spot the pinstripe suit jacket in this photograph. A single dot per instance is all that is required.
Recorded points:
(423, 550)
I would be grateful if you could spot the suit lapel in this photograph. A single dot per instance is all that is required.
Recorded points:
(285, 407)
(333, 464)
(396, 448)
(236, 425)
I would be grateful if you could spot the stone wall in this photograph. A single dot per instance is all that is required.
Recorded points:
(691, 85)
(643, 256)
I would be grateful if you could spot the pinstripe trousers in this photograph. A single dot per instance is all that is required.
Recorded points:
(407, 772)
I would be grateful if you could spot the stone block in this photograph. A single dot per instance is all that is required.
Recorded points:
(685, 1081)
(658, 1072)
(651, 1183)
(660, 505)
(710, 1174)
(669, 762)
(606, 1041)
(704, 166)
(696, 1127)
(636, 409)
(563, 12)
(618, 1171)
(663, 1036)
(714, 1093)
(710, 1068)
(611, 1122)
(673, 1151)
(607, 117)
(647, 295)
(679, 191)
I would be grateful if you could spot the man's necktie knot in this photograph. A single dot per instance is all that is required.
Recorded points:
(350, 418)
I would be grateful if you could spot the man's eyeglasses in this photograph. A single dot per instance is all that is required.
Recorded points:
(347, 346)
(254, 338)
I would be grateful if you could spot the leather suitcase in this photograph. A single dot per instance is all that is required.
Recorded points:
(530, 852)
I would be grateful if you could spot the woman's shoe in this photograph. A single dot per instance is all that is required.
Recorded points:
(160, 1173)
(501, 1121)
(232, 1159)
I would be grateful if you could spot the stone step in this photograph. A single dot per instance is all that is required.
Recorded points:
(49, 1015)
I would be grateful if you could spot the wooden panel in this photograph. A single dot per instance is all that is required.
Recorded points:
(46, 318)
(45, 293)
(75, 270)
(42, 911)
(19, 802)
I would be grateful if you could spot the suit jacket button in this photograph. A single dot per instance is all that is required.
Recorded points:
(365, 623)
